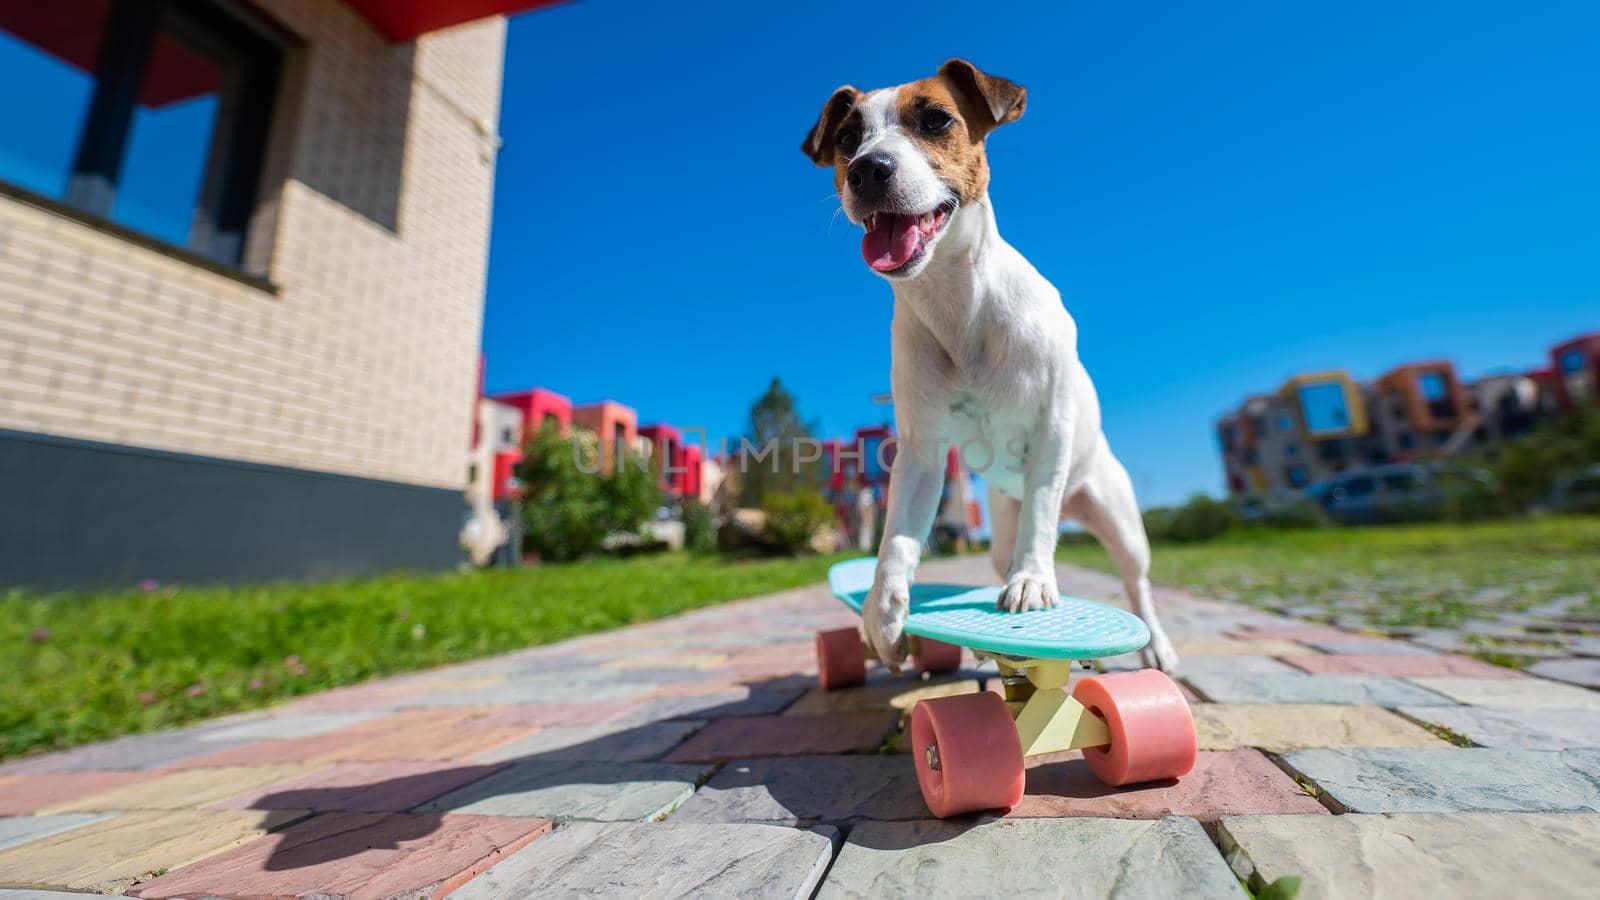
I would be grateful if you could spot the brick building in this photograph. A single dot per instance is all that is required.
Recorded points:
(243, 249)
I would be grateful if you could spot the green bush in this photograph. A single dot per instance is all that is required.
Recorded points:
(1200, 519)
(699, 527)
(1527, 468)
(793, 519)
(567, 512)
(1294, 512)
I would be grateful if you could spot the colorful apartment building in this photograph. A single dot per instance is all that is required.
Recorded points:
(539, 407)
(243, 251)
(1320, 424)
(1576, 367)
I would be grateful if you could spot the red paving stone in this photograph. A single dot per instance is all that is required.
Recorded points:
(1222, 783)
(355, 855)
(363, 787)
(1399, 666)
(24, 794)
(759, 736)
(417, 735)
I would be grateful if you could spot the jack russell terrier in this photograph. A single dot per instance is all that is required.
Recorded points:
(985, 357)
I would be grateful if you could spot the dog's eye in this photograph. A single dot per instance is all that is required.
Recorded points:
(847, 138)
(935, 120)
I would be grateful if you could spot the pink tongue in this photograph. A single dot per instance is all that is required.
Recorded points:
(892, 243)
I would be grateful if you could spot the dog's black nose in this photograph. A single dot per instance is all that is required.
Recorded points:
(869, 175)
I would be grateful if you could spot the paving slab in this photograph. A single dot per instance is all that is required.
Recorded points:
(18, 830)
(1282, 727)
(1293, 633)
(1387, 779)
(1232, 782)
(757, 736)
(808, 789)
(415, 735)
(1514, 728)
(355, 855)
(1470, 856)
(543, 715)
(1367, 647)
(139, 752)
(882, 696)
(362, 787)
(1580, 671)
(1088, 858)
(437, 743)
(1197, 646)
(586, 742)
(1299, 687)
(24, 794)
(110, 855)
(662, 860)
(1517, 693)
(1394, 666)
(184, 790)
(291, 725)
(1231, 666)
(738, 700)
(563, 790)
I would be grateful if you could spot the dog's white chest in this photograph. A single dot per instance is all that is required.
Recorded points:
(992, 439)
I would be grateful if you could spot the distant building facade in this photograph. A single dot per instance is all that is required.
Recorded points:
(1318, 425)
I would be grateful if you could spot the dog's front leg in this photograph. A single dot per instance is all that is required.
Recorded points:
(1031, 583)
(915, 484)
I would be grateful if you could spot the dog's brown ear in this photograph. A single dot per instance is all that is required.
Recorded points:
(991, 101)
(819, 143)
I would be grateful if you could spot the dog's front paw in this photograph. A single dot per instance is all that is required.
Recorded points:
(883, 617)
(1028, 590)
(1160, 654)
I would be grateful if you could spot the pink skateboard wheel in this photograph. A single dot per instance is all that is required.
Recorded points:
(1152, 732)
(967, 754)
(936, 656)
(840, 660)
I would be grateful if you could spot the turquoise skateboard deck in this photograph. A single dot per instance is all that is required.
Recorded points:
(966, 616)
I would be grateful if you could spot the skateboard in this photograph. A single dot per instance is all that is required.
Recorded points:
(969, 749)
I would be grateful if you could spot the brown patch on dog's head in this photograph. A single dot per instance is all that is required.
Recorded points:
(949, 116)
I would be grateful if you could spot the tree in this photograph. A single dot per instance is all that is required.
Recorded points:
(567, 512)
(779, 455)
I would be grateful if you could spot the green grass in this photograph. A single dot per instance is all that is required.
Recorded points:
(84, 667)
(1435, 575)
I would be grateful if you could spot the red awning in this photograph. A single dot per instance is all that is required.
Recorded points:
(404, 20)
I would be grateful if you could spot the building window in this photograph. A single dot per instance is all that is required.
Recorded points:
(1436, 393)
(1407, 440)
(161, 130)
(1324, 407)
(1285, 423)
(1572, 361)
(1297, 476)
(1291, 449)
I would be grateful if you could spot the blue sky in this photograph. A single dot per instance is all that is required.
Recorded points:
(1224, 196)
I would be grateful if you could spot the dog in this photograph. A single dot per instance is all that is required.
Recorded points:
(984, 354)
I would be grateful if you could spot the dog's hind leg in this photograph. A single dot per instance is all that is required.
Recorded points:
(1004, 512)
(1106, 507)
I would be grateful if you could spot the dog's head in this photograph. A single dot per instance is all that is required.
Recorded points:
(907, 159)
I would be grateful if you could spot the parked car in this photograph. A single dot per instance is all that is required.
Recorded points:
(1371, 494)
(1577, 492)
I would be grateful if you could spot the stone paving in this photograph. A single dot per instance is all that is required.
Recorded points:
(696, 757)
